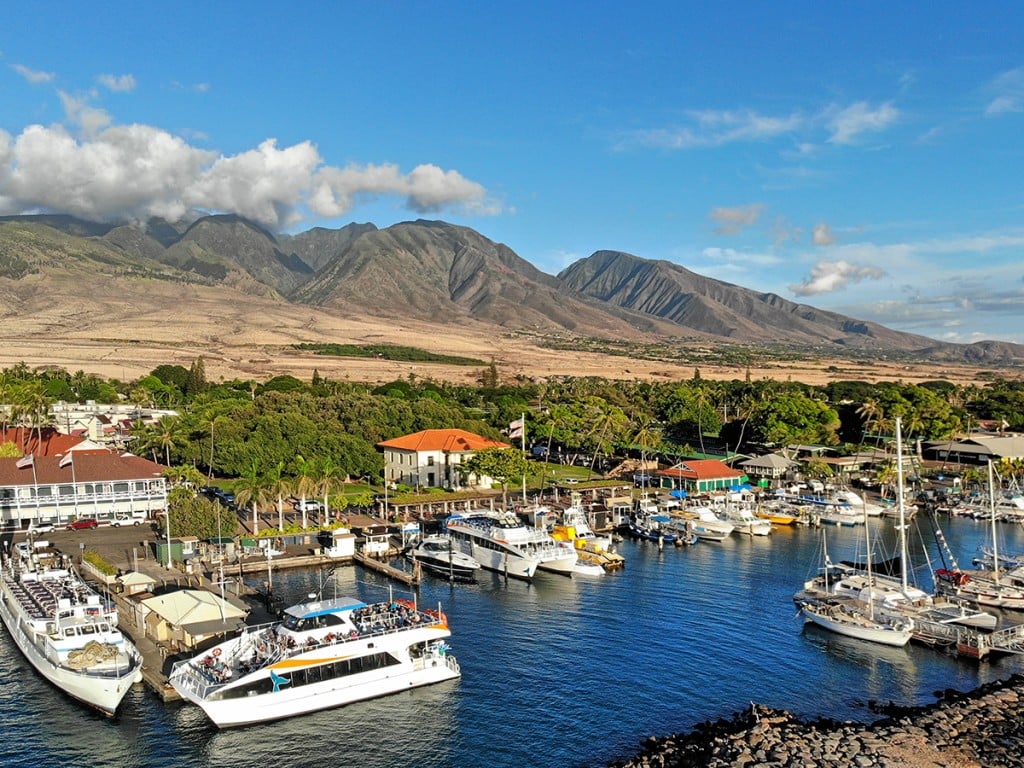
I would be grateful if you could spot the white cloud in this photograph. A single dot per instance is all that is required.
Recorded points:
(118, 83)
(79, 112)
(133, 172)
(733, 220)
(34, 76)
(1009, 93)
(846, 124)
(713, 128)
(822, 235)
(734, 257)
(827, 277)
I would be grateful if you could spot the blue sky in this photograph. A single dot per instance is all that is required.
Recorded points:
(860, 157)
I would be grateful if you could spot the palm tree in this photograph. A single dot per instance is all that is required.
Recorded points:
(872, 414)
(253, 489)
(648, 436)
(326, 476)
(168, 434)
(305, 482)
(32, 409)
(280, 486)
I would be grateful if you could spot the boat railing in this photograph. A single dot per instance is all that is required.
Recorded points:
(260, 646)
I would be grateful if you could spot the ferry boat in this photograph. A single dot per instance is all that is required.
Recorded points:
(66, 631)
(323, 654)
(501, 542)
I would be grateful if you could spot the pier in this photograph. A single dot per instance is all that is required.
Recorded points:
(969, 641)
(411, 579)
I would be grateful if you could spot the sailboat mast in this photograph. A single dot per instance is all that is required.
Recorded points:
(992, 508)
(901, 504)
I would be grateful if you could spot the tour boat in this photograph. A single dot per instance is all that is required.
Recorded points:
(501, 542)
(440, 556)
(66, 631)
(323, 654)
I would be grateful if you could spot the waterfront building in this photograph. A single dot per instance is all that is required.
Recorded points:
(431, 458)
(82, 482)
(702, 476)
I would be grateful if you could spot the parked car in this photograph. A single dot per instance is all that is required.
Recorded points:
(36, 528)
(120, 520)
(306, 505)
(84, 523)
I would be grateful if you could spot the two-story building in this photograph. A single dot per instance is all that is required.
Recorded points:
(78, 484)
(431, 458)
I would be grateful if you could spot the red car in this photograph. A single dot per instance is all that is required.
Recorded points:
(83, 524)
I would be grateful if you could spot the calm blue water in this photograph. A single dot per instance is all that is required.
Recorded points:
(556, 673)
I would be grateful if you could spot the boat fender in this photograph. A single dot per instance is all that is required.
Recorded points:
(216, 652)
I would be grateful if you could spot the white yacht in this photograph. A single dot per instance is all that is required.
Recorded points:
(440, 556)
(745, 521)
(501, 542)
(67, 632)
(707, 525)
(323, 654)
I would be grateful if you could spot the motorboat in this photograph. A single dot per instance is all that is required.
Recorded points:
(745, 521)
(652, 527)
(322, 654)
(592, 549)
(501, 542)
(67, 631)
(706, 524)
(439, 555)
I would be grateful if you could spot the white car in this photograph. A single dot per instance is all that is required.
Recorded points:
(306, 505)
(120, 520)
(36, 528)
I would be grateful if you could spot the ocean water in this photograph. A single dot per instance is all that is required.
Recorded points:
(560, 672)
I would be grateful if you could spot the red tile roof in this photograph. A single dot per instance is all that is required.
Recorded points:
(447, 440)
(701, 469)
(52, 443)
(88, 466)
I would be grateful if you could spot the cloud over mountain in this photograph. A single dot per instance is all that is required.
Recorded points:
(107, 172)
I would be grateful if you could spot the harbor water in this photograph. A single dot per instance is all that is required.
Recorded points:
(560, 672)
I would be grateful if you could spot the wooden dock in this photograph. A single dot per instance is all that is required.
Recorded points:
(405, 577)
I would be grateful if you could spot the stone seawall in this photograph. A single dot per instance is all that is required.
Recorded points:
(983, 728)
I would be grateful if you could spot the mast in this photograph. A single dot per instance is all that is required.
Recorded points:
(901, 504)
(992, 508)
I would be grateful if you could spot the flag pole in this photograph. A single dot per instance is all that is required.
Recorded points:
(522, 419)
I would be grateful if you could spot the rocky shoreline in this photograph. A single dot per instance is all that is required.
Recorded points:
(982, 728)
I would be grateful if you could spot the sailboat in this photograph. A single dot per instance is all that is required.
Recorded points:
(988, 588)
(848, 616)
(897, 597)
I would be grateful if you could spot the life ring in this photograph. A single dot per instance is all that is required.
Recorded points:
(216, 652)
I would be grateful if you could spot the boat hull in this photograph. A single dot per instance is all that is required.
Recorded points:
(849, 626)
(235, 712)
(102, 692)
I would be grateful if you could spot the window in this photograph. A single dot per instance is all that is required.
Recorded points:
(430, 461)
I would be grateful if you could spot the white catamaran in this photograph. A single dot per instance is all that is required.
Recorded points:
(323, 654)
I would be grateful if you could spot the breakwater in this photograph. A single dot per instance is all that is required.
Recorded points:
(982, 728)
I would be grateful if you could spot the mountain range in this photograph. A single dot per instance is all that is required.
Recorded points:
(442, 273)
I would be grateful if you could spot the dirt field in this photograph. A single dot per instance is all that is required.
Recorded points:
(251, 338)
